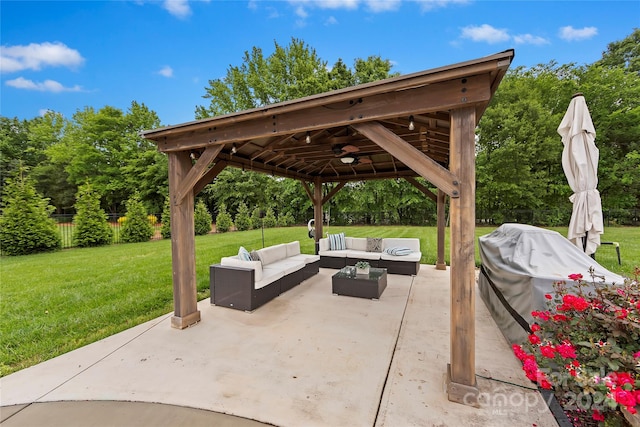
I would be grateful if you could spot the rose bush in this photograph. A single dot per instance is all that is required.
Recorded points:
(586, 347)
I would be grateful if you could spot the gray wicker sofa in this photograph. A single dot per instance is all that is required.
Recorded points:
(246, 285)
(378, 252)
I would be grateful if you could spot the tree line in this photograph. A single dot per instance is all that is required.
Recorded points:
(518, 148)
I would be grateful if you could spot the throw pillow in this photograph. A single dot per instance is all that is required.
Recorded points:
(254, 256)
(374, 244)
(398, 251)
(337, 242)
(243, 254)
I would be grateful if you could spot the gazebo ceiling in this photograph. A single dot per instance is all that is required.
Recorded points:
(317, 136)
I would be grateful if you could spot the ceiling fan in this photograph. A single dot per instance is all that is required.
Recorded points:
(339, 150)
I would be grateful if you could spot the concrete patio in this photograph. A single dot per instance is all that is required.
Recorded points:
(307, 358)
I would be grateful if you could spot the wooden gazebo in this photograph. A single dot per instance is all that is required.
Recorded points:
(415, 125)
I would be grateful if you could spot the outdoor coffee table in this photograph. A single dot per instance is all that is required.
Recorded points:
(347, 282)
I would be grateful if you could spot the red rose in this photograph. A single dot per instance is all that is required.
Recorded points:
(580, 304)
(625, 398)
(548, 351)
(560, 318)
(535, 327)
(597, 415)
(566, 350)
(575, 276)
(534, 339)
(548, 296)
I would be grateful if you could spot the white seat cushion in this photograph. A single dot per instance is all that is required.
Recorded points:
(271, 254)
(293, 249)
(363, 255)
(404, 242)
(336, 254)
(356, 243)
(270, 275)
(307, 259)
(234, 261)
(412, 257)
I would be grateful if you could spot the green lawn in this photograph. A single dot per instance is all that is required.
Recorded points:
(55, 302)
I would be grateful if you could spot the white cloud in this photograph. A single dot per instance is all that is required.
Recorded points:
(45, 86)
(178, 8)
(166, 71)
(426, 5)
(331, 21)
(377, 6)
(301, 12)
(530, 39)
(569, 33)
(38, 55)
(485, 33)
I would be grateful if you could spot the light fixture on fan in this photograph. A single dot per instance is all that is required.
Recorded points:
(347, 160)
(412, 126)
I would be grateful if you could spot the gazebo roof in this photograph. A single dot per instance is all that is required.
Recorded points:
(308, 138)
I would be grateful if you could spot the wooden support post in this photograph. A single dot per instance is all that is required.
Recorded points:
(317, 209)
(461, 376)
(183, 248)
(440, 263)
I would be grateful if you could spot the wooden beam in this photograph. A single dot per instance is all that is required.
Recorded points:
(441, 225)
(308, 190)
(317, 209)
(333, 192)
(196, 172)
(433, 97)
(422, 188)
(461, 384)
(209, 176)
(183, 248)
(410, 156)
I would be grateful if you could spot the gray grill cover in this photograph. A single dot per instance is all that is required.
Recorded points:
(524, 262)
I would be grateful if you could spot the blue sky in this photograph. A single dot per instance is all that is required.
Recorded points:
(65, 56)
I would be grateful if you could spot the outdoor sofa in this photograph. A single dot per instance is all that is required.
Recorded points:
(397, 255)
(248, 280)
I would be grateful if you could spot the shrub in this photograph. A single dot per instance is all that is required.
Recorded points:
(286, 220)
(256, 220)
(587, 348)
(25, 226)
(243, 221)
(223, 220)
(269, 219)
(91, 226)
(202, 219)
(137, 227)
(165, 229)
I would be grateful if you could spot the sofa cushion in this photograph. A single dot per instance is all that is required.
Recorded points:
(356, 243)
(293, 249)
(374, 244)
(271, 254)
(337, 242)
(412, 257)
(307, 259)
(288, 266)
(270, 275)
(234, 261)
(323, 244)
(404, 242)
(363, 255)
(335, 254)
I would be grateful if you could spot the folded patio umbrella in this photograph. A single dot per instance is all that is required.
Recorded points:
(580, 163)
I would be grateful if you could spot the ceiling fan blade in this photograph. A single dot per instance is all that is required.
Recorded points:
(350, 149)
(365, 160)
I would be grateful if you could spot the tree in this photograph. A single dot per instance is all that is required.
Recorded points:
(624, 53)
(223, 220)
(242, 219)
(165, 229)
(91, 226)
(202, 219)
(269, 218)
(25, 225)
(136, 228)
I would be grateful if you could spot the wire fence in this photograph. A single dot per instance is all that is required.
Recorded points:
(66, 228)
(549, 218)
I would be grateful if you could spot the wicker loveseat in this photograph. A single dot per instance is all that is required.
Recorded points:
(397, 255)
(247, 284)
